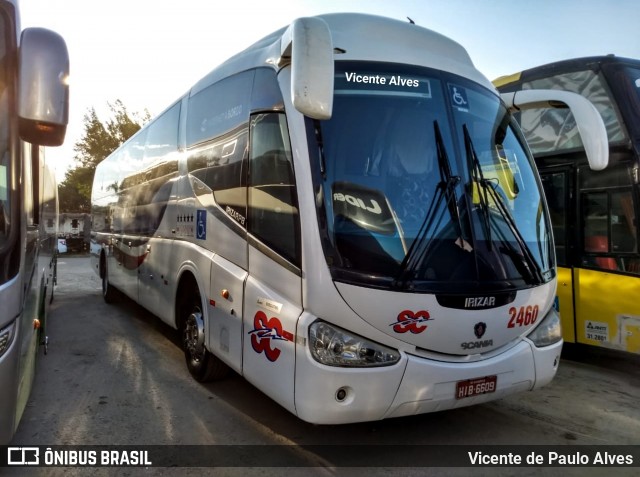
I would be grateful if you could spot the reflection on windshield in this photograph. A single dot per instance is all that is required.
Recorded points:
(400, 208)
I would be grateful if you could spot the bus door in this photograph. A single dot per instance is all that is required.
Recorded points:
(597, 253)
(607, 272)
(558, 186)
(273, 297)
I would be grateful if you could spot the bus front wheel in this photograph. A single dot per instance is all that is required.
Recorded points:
(202, 364)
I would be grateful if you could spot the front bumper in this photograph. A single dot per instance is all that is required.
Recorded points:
(415, 385)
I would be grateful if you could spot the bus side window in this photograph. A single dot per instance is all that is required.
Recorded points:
(623, 229)
(131, 184)
(273, 203)
(596, 231)
(216, 134)
(610, 229)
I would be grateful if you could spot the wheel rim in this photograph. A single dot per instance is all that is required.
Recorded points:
(194, 336)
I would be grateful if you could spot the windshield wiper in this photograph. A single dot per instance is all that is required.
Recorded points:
(529, 260)
(320, 140)
(448, 181)
(444, 189)
(486, 190)
(476, 177)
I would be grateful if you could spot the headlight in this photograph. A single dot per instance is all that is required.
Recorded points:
(334, 346)
(6, 337)
(548, 331)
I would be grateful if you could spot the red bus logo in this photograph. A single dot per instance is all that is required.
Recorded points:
(266, 333)
(410, 321)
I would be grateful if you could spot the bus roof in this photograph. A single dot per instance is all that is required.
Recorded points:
(557, 67)
(364, 38)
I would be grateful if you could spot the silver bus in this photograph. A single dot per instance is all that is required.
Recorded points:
(347, 215)
(34, 67)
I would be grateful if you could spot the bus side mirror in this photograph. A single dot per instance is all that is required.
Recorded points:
(588, 120)
(308, 43)
(43, 90)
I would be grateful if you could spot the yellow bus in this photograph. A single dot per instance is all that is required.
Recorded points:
(594, 214)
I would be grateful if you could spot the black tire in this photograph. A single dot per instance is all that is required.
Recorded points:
(43, 340)
(201, 363)
(109, 293)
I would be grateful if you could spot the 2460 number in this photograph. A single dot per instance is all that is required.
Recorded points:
(523, 316)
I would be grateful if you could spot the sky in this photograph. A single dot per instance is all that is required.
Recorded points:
(147, 53)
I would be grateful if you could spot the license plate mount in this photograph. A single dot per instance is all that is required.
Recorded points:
(473, 387)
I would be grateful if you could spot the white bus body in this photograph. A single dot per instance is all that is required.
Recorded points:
(346, 214)
(33, 113)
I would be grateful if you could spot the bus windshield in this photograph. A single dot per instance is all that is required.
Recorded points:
(426, 183)
(634, 79)
(629, 95)
(549, 130)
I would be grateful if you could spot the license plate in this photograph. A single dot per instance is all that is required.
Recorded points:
(473, 387)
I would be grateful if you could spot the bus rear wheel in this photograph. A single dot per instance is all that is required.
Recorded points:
(109, 293)
(202, 364)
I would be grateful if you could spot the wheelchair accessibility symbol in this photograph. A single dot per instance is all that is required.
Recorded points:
(458, 96)
(201, 224)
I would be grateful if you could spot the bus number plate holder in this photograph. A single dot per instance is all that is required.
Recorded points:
(473, 387)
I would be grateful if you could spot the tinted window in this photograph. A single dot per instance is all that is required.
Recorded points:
(217, 130)
(145, 166)
(219, 108)
(162, 137)
(426, 182)
(555, 189)
(609, 219)
(266, 91)
(159, 167)
(273, 204)
(130, 160)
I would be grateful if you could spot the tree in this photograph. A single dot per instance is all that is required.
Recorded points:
(97, 142)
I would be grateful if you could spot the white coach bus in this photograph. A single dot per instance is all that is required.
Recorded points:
(34, 66)
(347, 215)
